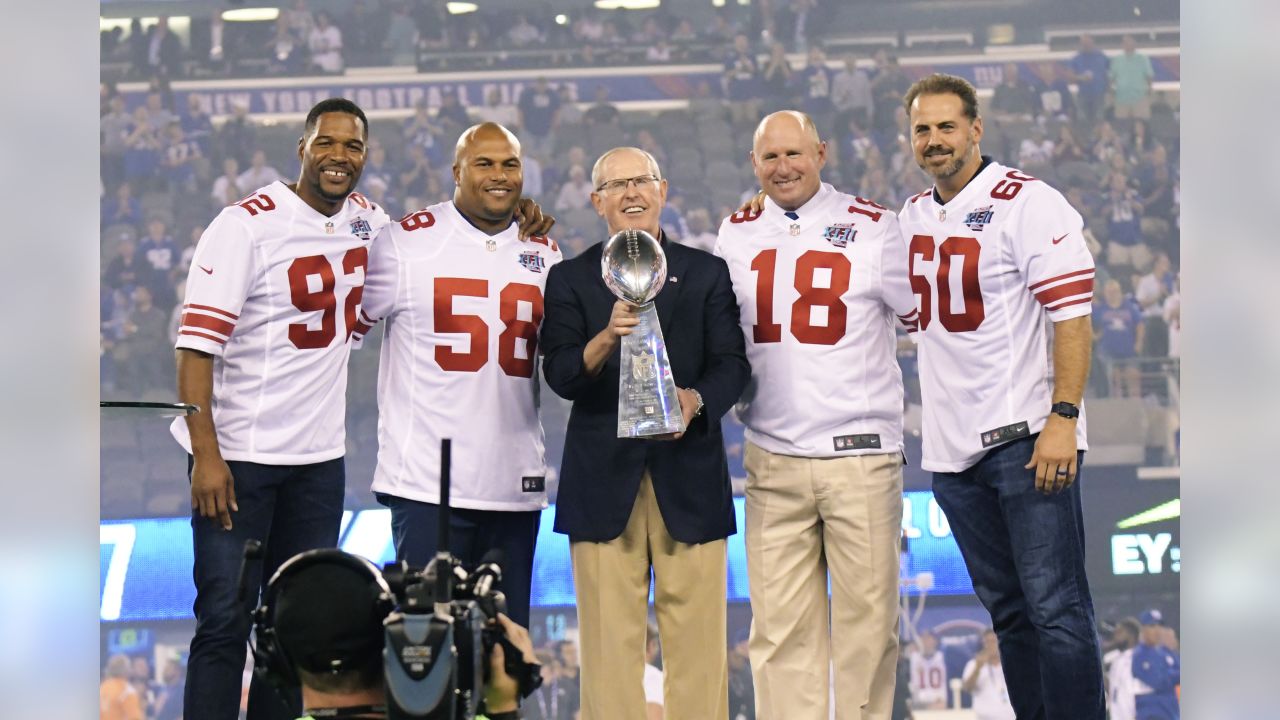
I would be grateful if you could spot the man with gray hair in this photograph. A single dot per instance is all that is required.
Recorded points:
(820, 277)
(658, 508)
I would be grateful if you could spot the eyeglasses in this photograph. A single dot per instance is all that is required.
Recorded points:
(614, 187)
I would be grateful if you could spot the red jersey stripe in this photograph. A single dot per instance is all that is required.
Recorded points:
(210, 308)
(1065, 290)
(196, 320)
(206, 336)
(1042, 283)
(1069, 303)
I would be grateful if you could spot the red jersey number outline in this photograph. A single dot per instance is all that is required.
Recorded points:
(514, 328)
(324, 300)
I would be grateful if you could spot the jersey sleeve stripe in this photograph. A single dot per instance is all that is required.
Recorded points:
(210, 308)
(206, 336)
(364, 318)
(1077, 273)
(1069, 303)
(361, 328)
(206, 322)
(1065, 290)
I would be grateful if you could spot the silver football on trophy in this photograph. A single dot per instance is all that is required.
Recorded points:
(634, 266)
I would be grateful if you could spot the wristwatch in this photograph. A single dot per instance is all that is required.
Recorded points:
(698, 396)
(1066, 410)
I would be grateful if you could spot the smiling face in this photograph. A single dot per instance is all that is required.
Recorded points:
(332, 157)
(489, 176)
(787, 158)
(944, 139)
(637, 202)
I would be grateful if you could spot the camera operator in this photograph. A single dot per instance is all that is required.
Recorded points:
(327, 619)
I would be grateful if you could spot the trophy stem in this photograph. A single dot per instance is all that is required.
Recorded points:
(647, 400)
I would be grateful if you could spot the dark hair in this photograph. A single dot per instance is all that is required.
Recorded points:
(330, 105)
(943, 84)
(366, 676)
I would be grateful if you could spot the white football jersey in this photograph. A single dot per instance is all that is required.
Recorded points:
(817, 297)
(272, 294)
(1122, 686)
(459, 360)
(928, 679)
(991, 269)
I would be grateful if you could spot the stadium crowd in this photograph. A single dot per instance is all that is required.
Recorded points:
(167, 170)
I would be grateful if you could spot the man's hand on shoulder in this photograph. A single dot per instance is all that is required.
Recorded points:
(754, 206)
(530, 219)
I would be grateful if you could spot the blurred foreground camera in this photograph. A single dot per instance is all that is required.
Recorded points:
(331, 620)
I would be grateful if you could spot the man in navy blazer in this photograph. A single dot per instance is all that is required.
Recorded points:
(635, 507)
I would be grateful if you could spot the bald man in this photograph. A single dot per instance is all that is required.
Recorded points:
(819, 277)
(636, 509)
(461, 294)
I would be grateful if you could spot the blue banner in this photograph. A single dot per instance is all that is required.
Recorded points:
(402, 93)
(146, 564)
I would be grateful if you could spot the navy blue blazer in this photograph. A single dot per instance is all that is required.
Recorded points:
(600, 473)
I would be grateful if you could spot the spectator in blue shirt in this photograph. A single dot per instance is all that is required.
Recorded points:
(1118, 331)
(817, 92)
(158, 248)
(1158, 670)
(742, 82)
(196, 124)
(179, 159)
(538, 107)
(1089, 69)
(123, 208)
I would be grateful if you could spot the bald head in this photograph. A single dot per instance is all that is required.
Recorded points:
(489, 176)
(787, 157)
(786, 121)
(485, 131)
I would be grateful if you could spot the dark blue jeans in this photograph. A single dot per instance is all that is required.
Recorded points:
(472, 533)
(1025, 553)
(289, 509)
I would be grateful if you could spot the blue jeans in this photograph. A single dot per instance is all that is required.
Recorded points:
(472, 533)
(289, 509)
(1025, 553)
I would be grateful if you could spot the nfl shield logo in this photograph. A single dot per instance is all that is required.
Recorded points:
(979, 218)
(839, 235)
(361, 229)
(532, 261)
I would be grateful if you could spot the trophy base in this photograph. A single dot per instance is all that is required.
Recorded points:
(647, 401)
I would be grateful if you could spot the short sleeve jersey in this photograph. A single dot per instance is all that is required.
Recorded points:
(459, 360)
(272, 294)
(991, 269)
(928, 678)
(818, 296)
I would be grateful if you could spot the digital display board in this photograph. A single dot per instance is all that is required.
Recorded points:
(146, 564)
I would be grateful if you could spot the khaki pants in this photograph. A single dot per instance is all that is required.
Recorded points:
(612, 584)
(804, 516)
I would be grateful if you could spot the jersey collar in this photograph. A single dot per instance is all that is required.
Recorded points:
(986, 161)
(806, 212)
(477, 229)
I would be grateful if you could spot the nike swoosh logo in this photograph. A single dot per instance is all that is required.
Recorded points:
(208, 271)
(1060, 239)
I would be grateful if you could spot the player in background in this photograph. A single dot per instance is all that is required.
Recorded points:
(461, 295)
(262, 351)
(996, 257)
(928, 674)
(819, 276)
